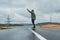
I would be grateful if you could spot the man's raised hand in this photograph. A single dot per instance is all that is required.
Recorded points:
(28, 10)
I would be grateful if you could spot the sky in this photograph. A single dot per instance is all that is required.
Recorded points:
(17, 10)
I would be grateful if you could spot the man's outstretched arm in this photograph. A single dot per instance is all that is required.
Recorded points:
(28, 10)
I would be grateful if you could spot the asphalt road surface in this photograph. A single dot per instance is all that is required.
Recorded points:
(17, 34)
(49, 33)
(26, 34)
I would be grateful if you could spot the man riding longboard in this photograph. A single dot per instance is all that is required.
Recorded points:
(33, 17)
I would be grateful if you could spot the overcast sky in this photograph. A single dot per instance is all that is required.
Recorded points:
(18, 13)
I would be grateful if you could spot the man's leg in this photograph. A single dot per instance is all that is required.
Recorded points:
(33, 23)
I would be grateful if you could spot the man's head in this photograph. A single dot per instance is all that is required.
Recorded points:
(32, 10)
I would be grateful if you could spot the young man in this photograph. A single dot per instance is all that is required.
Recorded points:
(33, 17)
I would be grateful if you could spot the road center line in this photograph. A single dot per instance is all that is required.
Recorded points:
(38, 35)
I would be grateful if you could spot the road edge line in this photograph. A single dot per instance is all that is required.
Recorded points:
(38, 35)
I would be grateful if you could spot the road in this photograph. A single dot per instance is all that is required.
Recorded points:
(17, 34)
(49, 33)
(26, 34)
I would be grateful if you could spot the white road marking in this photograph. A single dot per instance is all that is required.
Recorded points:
(38, 35)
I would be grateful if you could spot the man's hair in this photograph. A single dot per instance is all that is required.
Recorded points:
(32, 10)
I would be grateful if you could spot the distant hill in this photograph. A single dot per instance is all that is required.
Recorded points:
(11, 25)
(49, 25)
